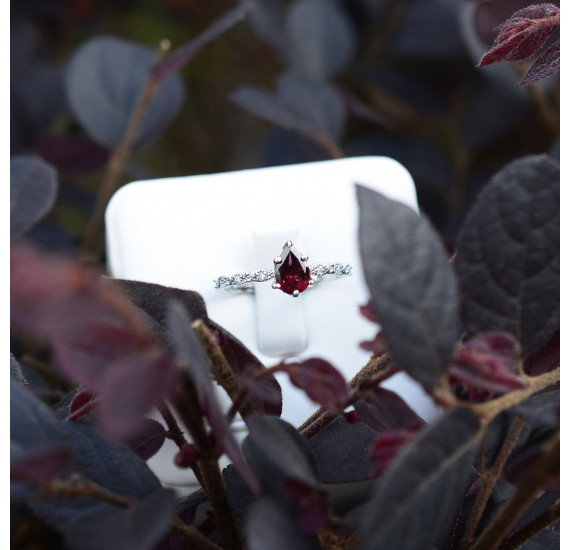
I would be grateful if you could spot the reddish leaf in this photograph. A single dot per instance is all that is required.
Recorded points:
(388, 445)
(40, 465)
(485, 363)
(523, 34)
(545, 65)
(544, 359)
(383, 410)
(368, 312)
(98, 337)
(320, 380)
(310, 503)
(377, 346)
(148, 439)
(83, 403)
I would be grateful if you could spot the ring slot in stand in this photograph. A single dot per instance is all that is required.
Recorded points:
(185, 232)
(280, 321)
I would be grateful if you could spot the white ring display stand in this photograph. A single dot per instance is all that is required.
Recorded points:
(183, 232)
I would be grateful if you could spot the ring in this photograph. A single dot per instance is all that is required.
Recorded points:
(291, 272)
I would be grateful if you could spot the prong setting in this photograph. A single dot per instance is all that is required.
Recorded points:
(278, 260)
(304, 257)
(295, 293)
(311, 281)
(276, 286)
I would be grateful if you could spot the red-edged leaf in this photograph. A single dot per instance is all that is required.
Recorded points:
(183, 55)
(383, 410)
(83, 403)
(388, 445)
(545, 65)
(544, 359)
(40, 465)
(523, 34)
(320, 380)
(485, 364)
(98, 337)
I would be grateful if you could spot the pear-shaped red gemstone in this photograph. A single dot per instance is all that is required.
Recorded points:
(292, 273)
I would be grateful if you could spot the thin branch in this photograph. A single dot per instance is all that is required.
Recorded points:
(224, 516)
(223, 373)
(533, 528)
(488, 481)
(536, 477)
(111, 178)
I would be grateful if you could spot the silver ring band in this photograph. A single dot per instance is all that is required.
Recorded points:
(289, 266)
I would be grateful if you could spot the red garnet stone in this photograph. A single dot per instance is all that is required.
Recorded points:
(292, 273)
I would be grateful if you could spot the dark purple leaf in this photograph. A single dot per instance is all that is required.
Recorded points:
(411, 283)
(383, 410)
(523, 34)
(544, 359)
(99, 339)
(542, 408)
(197, 366)
(32, 424)
(239, 495)
(278, 452)
(153, 300)
(486, 363)
(388, 445)
(178, 59)
(320, 39)
(139, 527)
(434, 468)
(104, 79)
(508, 254)
(545, 65)
(148, 439)
(40, 465)
(340, 450)
(309, 107)
(111, 465)
(33, 190)
(71, 153)
(320, 380)
(270, 523)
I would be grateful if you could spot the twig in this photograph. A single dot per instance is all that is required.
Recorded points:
(330, 146)
(222, 371)
(488, 410)
(536, 477)
(194, 536)
(488, 480)
(533, 528)
(223, 513)
(115, 165)
(373, 373)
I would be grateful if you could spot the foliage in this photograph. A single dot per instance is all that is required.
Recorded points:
(473, 318)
